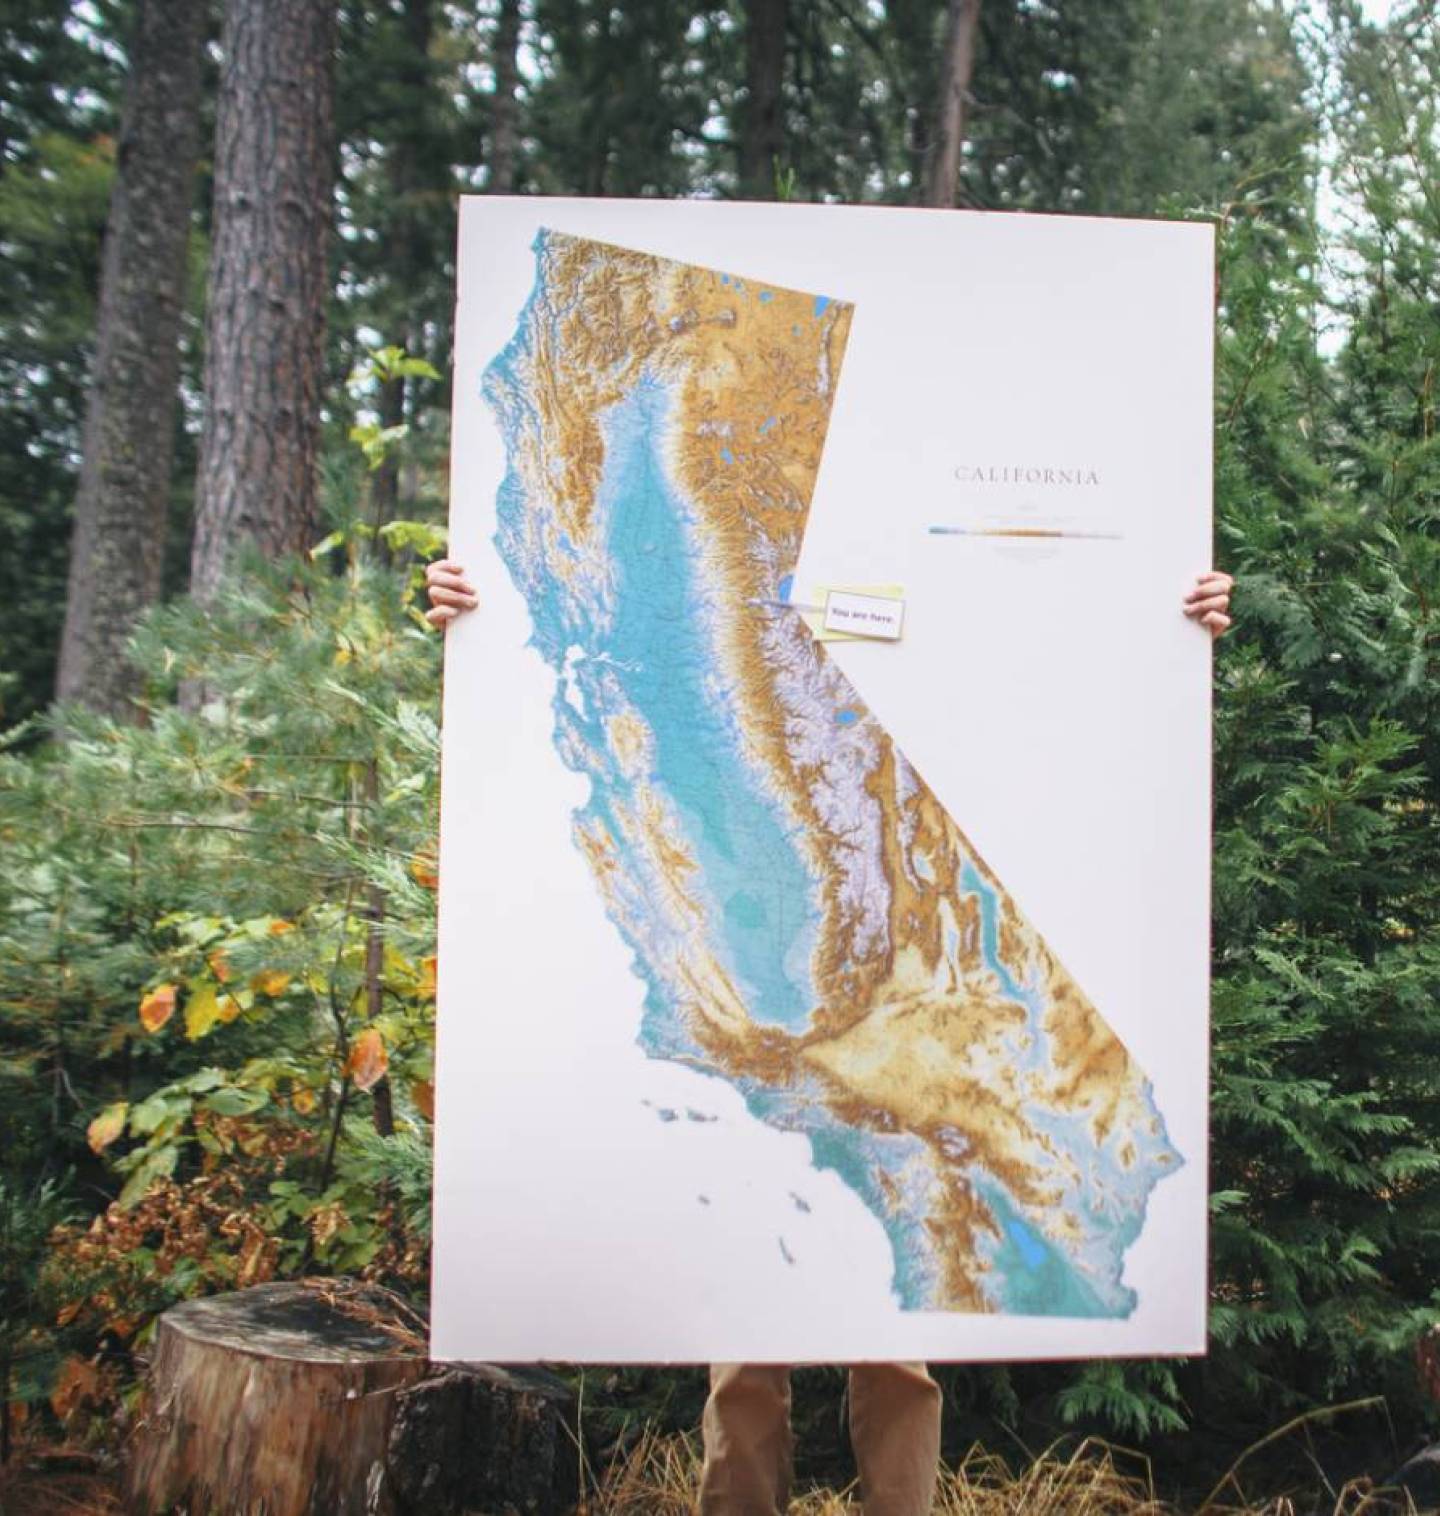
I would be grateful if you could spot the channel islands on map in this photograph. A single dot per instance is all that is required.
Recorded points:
(811, 924)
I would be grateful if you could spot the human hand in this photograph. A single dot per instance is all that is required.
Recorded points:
(449, 591)
(1209, 601)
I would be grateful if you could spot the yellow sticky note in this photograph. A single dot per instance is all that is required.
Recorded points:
(818, 594)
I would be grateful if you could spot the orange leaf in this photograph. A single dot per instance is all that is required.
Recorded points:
(303, 1101)
(278, 928)
(219, 966)
(424, 869)
(107, 1126)
(157, 1007)
(426, 988)
(368, 1061)
(423, 1094)
(76, 1381)
(270, 982)
(230, 1008)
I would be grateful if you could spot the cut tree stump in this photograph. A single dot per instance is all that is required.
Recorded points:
(317, 1399)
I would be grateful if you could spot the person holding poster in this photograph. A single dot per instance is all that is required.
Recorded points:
(894, 1407)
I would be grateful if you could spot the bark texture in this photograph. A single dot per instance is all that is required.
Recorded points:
(762, 136)
(484, 1438)
(410, 177)
(293, 1399)
(117, 544)
(957, 66)
(505, 108)
(268, 1399)
(274, 178)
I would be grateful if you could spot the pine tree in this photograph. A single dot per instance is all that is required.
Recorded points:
(269, 281)
(118, 547)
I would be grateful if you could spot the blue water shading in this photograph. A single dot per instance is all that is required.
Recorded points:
(971, 881)
(846, 717)
(766, 296)
(727, 455)
(765, 426)
(821, 301)
(786, 585)
(1033, 1277)
(861, 1159)
(654, 645)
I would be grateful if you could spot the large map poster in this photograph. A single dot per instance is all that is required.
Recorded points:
(805, 995)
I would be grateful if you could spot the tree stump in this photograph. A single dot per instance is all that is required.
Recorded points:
(318, 1399)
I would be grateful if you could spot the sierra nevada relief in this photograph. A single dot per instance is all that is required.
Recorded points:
(810, 923)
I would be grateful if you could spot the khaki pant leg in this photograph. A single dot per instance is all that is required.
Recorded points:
(748, 1445)
(895, 1432)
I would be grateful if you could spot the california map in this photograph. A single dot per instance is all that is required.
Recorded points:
(810, 922)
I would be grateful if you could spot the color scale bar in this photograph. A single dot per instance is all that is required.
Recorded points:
(1019, 531)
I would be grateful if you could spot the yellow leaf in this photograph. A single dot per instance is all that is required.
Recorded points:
(368, 1061)
(303, 1101)
(157, 1007)
(219, 966)
(107, 1126)
(423, 1094)
(202, 1010)
(426, 987)
(424, 869)
(230, 1008)
(397, 965)
(270, 981)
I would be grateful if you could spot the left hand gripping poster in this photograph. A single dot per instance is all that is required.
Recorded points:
(750, 1045)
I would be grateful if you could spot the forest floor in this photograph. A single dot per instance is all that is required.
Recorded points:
(660, 1477)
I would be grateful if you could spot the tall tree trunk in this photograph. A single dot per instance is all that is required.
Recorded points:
(264, 359)
(505, 108)
(762, 122)
(948, 137)
(117, 545)
(406, 175)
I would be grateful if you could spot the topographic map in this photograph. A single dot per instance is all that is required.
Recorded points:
(810, 922)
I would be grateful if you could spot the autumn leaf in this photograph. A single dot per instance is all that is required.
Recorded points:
(422, 1092)
(205, 1007)
(426, 987)
(76, 1381)
(279, 927)
(270, 982)
(303, 1101)
(202, 1010)
(219, 966)
(107, 1126)
(367, 1062)
(424, 869)
(157, 1007)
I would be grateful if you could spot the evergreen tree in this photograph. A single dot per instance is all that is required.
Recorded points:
(274, 179)
(118, 546)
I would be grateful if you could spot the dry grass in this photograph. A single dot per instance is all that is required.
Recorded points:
(661, 1475)
(56, 1483)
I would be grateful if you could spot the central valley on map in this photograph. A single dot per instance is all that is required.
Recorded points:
(810, 922)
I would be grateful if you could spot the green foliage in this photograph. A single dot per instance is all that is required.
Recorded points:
(216, 929)
(216, 946)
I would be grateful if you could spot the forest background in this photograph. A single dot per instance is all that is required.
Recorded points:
(226, 286)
